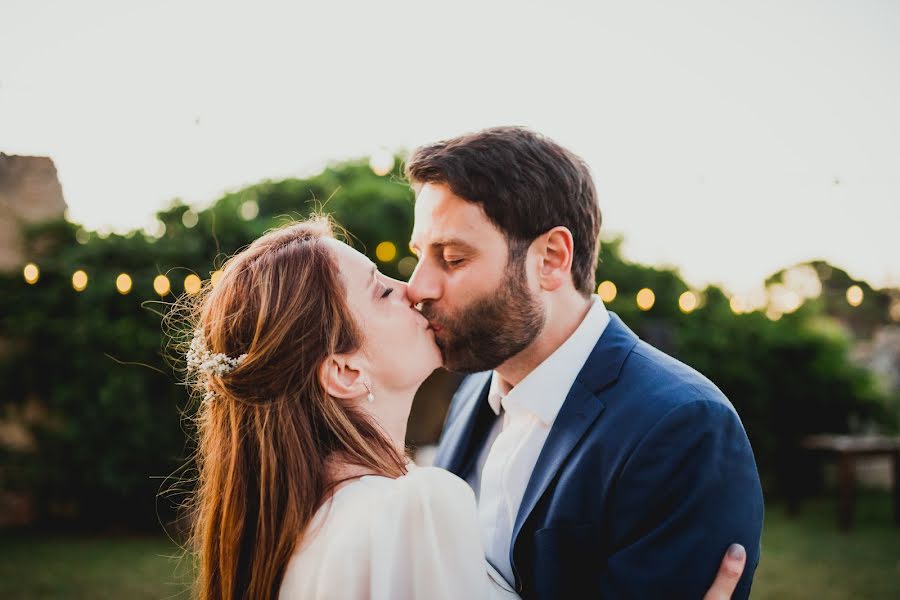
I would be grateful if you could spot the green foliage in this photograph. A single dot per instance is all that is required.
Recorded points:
(110, 425)
(96, 362)
(863, 319)
(787, 378)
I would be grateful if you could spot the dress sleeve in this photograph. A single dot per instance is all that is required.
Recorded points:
(426, 543)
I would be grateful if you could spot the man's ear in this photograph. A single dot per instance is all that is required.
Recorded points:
(343, 376)
(555, 253)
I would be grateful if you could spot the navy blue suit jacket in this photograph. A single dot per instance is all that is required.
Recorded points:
(644, 481)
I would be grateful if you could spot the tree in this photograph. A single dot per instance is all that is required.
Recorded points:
(112, 426)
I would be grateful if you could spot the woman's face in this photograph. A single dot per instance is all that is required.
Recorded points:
(398, 343)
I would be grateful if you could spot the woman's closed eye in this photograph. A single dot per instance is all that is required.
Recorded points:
(387, 292)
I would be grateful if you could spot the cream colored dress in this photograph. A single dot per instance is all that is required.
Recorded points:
(395, 539)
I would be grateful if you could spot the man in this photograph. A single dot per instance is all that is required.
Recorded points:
(602, 467)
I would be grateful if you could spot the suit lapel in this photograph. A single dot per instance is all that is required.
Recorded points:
(579, 411)
(465, 430)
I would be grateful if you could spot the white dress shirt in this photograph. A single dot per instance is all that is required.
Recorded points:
(507, 459)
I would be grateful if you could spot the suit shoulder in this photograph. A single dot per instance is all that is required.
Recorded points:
(470, 386)
(664, 383)
(473, 383)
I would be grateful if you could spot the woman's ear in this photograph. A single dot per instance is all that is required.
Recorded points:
(343, 376)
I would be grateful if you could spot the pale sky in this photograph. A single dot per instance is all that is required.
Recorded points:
(728, 139)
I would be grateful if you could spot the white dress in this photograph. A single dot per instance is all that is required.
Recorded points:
(412, 537)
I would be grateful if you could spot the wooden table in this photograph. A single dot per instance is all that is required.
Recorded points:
(846, 449)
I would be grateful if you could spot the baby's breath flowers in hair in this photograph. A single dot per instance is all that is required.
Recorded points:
(201, 360)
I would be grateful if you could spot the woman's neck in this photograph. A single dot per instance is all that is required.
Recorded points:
(391, 411)
(341, 472)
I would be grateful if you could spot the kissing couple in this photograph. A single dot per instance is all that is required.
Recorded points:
(576, 460)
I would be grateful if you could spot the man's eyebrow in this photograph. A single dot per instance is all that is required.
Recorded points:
(442, 242)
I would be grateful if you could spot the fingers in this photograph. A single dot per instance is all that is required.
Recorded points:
(730, 571)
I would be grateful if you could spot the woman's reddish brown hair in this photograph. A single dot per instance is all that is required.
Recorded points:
(266, 439)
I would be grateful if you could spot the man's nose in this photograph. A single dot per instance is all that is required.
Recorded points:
(424, 284)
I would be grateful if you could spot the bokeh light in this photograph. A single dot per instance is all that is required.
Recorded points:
(82, 236)
(755, 298)
(381, 162)
(189, 218)
(192, 284)
(804, 281)
(737, 304)
(854, 295)
(688, 302)
(31, 273)
(646, 299)
(123, 283)
(249, 210)
(773, 313)
(79, 280)
(386, 251)
(157, 230)
(783, 300)
(607, 291)
(161, 285)
(215, 277)
(792, 302)
(407, 265)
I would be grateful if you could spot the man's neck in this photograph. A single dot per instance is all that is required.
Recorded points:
(564, 315)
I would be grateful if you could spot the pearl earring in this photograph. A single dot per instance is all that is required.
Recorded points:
(371, 396)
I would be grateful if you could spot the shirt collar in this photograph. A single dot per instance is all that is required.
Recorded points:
(544, 390)
(495, 394)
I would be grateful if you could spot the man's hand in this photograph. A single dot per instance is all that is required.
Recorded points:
(729, 573)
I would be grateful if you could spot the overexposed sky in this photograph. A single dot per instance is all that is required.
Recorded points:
(729, 139)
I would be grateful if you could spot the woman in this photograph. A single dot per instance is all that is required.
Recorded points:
(308, 359)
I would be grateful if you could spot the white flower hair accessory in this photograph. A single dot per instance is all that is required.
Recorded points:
(201, 360)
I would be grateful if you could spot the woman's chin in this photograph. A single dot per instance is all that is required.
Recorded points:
(426, 358)
(436, 361)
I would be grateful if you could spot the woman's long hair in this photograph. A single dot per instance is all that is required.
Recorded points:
(267, 429)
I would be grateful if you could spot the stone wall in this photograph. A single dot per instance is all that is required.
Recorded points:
(30, 193)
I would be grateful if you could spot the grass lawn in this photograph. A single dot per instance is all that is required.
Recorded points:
(95, 568)
(806, 558)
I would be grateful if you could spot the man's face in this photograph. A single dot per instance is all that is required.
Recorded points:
(479, 303)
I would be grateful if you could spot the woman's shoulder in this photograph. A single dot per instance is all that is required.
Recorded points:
(380, 510)
(415, 536)
(422, 485)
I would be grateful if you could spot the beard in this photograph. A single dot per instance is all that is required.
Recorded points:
(491, 329)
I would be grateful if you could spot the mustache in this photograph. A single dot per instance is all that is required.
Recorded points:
(428, 311)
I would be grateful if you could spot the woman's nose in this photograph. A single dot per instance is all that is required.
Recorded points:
(402, 290)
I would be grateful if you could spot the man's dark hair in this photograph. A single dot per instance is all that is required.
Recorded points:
(526, 183)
